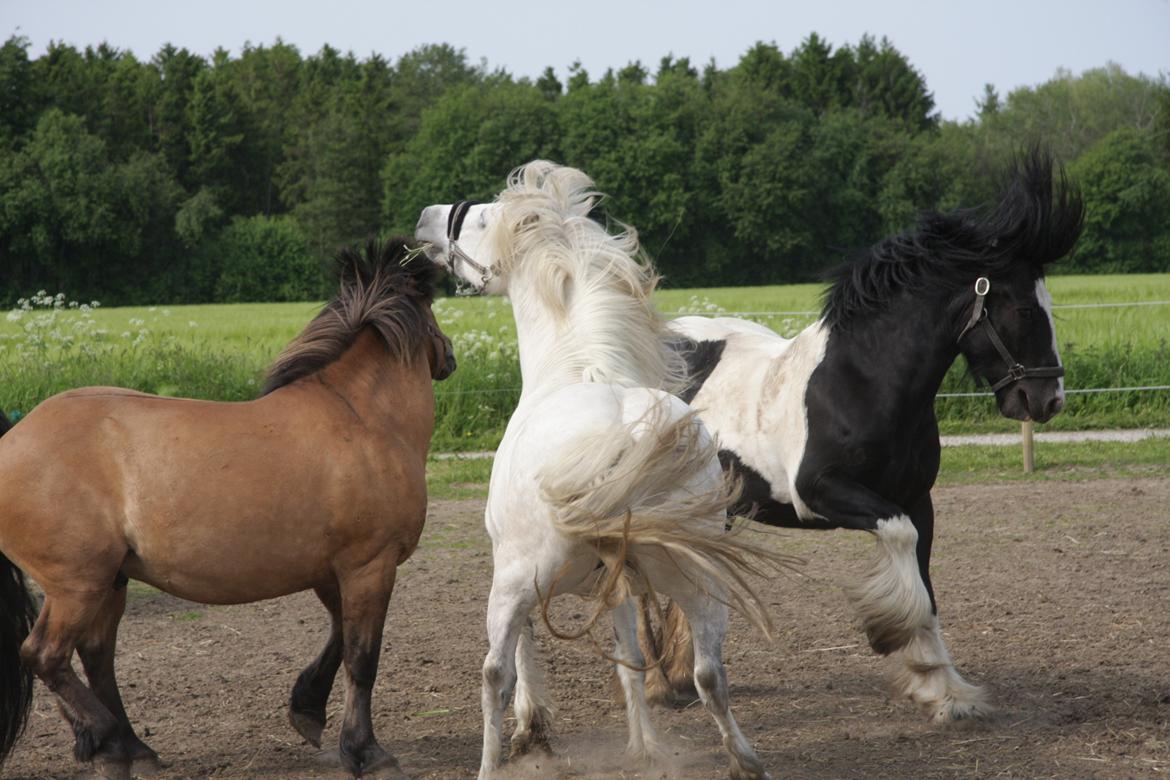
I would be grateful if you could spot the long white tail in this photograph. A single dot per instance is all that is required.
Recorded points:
(626, 487)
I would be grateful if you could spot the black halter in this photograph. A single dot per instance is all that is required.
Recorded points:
(1016, 370)
(455, 253)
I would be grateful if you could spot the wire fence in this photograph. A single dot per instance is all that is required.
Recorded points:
(810, 313)
(974, 394)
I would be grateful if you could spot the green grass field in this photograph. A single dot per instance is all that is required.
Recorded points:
(221, 351)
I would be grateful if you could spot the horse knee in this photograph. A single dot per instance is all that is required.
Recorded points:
(709, 679)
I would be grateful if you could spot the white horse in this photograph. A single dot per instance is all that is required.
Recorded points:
(605, 484)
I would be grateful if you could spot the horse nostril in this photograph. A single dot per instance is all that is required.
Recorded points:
(1055, 404)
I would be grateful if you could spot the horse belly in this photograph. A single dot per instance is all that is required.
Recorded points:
(231, 568)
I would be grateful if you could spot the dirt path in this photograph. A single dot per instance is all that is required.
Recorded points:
(1055, 596)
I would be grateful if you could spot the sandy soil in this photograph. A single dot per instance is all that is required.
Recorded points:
(1054, 596)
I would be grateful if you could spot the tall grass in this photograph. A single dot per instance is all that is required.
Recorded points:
(221, 351)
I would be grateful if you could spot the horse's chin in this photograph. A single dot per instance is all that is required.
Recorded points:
(1015, 414)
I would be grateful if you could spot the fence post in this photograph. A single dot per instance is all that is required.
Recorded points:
(1029, 446)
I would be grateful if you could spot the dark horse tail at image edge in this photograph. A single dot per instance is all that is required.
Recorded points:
(17, 613)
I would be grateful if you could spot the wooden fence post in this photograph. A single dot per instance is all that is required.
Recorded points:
(1029, 446)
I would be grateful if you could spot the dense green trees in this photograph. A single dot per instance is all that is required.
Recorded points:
(185, 178)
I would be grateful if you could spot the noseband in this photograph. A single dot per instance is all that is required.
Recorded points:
(455, 253)
(1016, 370)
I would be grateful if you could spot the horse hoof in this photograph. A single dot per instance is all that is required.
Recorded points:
(536, 739)
(111, 769)
(747, 768)
(741, 772)
(385, 767)
(146, 766)
(308, 726)
(373, 761)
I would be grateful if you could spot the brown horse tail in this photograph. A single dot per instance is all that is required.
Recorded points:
(624, 488)
(17, 613)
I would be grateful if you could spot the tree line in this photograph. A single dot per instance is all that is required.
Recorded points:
(231, 178)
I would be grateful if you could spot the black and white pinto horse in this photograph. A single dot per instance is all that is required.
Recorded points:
(836, 427)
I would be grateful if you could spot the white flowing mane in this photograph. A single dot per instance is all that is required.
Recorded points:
(596, 285)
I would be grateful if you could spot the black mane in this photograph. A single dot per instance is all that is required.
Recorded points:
(383, 287)
(1037, 222)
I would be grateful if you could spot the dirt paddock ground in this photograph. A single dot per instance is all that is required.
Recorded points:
(1055, 596)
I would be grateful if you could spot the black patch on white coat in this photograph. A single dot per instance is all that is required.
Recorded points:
(701, 358)
(756, 500)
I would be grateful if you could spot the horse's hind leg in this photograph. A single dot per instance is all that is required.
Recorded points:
(47, 652)
(510, 601)
(365, 595)
(533, 715)
(708, 619)
(306, 708)
(643, 744)
(96, 649)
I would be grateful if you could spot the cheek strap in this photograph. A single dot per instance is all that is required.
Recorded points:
(1015, 369)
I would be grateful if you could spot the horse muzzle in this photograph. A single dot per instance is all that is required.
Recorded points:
(1031, 399)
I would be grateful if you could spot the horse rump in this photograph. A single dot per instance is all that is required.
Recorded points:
(626, 486)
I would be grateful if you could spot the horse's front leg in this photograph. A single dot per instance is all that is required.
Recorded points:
(922, 671)
(365, 595)
(890, 597)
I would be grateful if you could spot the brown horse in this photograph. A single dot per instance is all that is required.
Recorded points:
(320, 483)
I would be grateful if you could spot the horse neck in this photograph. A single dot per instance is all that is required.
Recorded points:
(581, 345)
(902, 353)
(384, 392)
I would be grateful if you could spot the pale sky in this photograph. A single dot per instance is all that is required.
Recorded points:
(958, 46)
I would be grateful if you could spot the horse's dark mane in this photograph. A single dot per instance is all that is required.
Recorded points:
(379, 288)
(1036, 222)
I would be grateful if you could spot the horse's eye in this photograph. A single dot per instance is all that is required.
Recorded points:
(1025, 312)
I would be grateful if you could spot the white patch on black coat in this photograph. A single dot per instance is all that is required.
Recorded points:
(889, 597)
(754, 400)
(1044, 298)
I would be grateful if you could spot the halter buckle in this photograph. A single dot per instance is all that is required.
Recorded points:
(1017, 372)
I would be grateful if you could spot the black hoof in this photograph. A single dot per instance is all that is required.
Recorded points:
(309, 725)
(371, 761)
(110, 767)
(143, 760)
